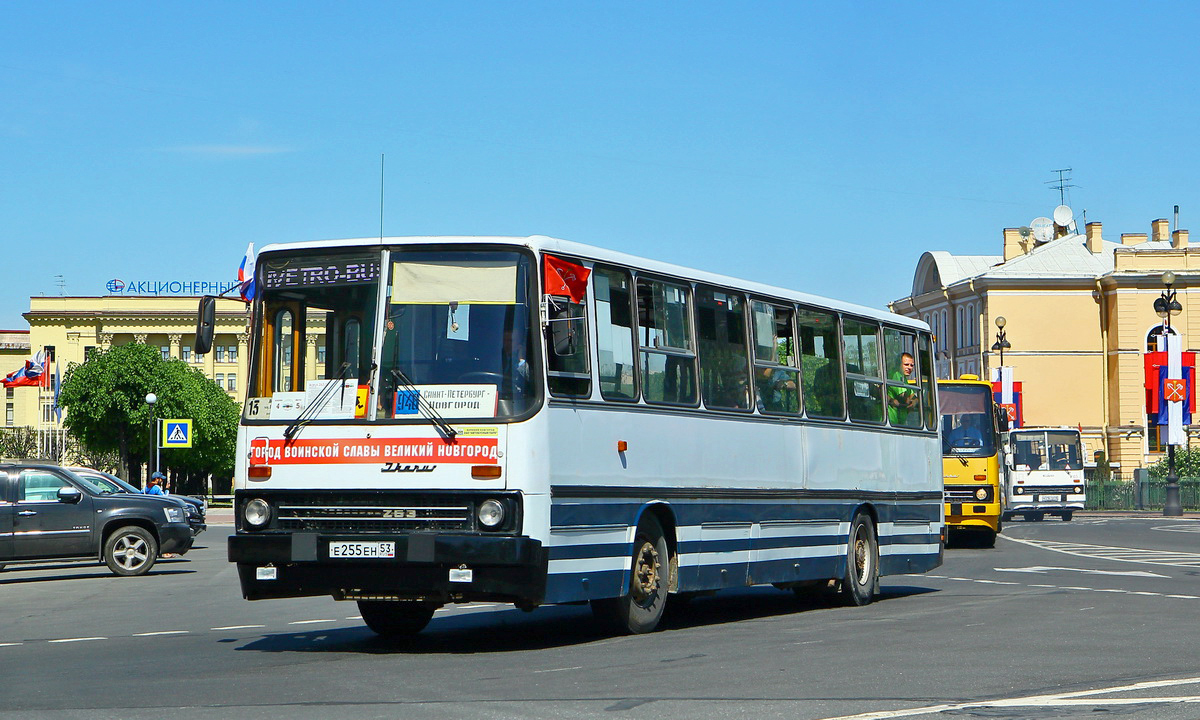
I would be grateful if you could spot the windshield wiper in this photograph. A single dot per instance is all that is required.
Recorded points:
(422, 404)
(318, 403)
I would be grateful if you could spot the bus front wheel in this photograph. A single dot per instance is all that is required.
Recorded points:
(640, 609)
(862, 562)
(396, 620)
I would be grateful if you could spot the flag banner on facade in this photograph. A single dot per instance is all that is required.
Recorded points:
(1175, 391)
(246, 274)
(565, 278)
(1013, 409)
(1153, 379)
(57, 389)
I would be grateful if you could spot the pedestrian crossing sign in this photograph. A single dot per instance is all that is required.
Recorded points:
(176, 434)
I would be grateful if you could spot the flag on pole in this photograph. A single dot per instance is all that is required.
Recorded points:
(246, 274)
(29, 375)
(563, 277)
(57, 388)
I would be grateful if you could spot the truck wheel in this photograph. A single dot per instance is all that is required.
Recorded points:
(396, 620)
(130, 550)
(640, 609)
(862, 562)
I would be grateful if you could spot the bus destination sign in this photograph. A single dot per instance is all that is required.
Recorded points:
(319, 272)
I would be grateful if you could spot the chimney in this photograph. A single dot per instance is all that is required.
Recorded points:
(1179, 239)
(1133, 238)
(1160, 229)
(1014, 244)
(1095, 243)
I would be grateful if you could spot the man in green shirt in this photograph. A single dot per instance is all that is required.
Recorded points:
(900, 400)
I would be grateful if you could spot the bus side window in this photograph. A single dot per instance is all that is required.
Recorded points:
(820, 363)
(724, 356)
(776, 380)
(567, 349)
(925, 372)
(903, 386)
(668, 360)
(864, 381)
(614, 333)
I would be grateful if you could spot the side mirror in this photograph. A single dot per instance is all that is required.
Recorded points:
(206, 317)
(69, 495)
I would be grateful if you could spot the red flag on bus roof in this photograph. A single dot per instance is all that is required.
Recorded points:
(563, 277)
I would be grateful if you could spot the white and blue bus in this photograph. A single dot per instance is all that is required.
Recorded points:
(435, 420)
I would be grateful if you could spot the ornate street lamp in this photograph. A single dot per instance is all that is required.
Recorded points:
(1165, 305)
(1001, 339)
(151, 398)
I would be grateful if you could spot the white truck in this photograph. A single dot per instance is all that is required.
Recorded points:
(1044, 473)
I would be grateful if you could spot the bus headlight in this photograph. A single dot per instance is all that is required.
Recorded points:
(490, 513)
(981, 494)
(1019, 491)
(257, 513)
(1078, 489)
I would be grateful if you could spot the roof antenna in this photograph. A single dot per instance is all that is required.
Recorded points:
(1061, 185)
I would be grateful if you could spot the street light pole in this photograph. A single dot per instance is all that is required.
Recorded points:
(1001, 339)
(1165, 305)
(151, 398)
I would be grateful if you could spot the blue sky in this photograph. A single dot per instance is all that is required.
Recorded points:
(817, 146)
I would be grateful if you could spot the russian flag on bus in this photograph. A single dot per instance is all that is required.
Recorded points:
(246, 274)
(565, 278)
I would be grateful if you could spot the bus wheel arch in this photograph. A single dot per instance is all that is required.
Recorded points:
(640, 608)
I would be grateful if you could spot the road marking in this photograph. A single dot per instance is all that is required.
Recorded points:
(162, 632)
(1116, 554)
(1082, 697)
(10, 644)
(1044, 569)
(577, 667)
(78, 639)
(310, 622)
(238, 627)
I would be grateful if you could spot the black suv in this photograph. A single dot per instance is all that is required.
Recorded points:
(50, 513)
(195, 508)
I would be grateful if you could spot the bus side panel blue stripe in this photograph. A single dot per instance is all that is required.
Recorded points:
(574, 587)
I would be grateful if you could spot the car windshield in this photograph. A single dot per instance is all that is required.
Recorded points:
(95, 484)
(968, 424)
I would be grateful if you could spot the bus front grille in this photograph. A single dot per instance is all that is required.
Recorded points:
(376, 515)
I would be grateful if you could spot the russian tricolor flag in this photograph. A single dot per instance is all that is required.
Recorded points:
(246, 274)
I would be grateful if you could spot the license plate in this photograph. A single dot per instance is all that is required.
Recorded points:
(1049, 498)
(362, 549)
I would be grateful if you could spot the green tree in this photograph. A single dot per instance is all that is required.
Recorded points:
(105, 400)
(1187, 464)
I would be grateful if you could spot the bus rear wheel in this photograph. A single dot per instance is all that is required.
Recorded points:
(862, 562)
(396, 620)
(640, 609)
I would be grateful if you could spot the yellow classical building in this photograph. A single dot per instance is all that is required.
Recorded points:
(69, 328)
(1080, 317)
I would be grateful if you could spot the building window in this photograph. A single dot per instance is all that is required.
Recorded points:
(166, 352)
(321, 354)
(185, 352)
(221, 380)
(971, 339)
(1153, 335)
(233, 353)
(8, 414)
(220, 353)
(88, 351)
(232, 382)
(1154, 434)
(8, 393)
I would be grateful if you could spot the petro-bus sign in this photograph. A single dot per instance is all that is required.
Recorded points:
(117, 286)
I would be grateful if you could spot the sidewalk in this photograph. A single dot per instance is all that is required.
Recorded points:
(221, 516)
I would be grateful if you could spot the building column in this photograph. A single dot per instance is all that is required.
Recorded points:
(174, 339)
(243, 366)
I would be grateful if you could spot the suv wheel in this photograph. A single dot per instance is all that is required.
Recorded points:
(130, 550)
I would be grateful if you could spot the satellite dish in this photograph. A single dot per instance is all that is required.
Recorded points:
(1025, 232)
(1063, 216)
(1043, 229)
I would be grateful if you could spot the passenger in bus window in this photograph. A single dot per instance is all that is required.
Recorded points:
(900, 401)
(776, 390)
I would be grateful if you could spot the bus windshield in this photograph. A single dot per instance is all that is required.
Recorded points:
(457, 328)
(1047, 450)
(456, 333)
(968, 423)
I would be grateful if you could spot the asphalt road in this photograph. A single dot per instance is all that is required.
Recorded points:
(1060, 620)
